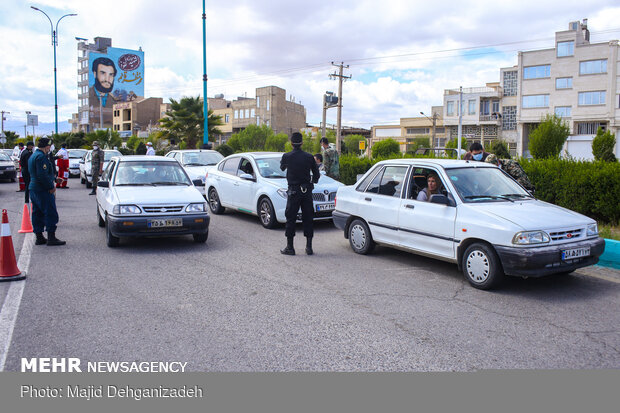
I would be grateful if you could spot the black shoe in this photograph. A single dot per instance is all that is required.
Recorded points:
(288, 251)
(40, 239)
(309, 251)
(52, 240)
(92, 193)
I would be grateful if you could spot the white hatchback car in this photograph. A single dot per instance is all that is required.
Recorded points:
(147, 196)
(481, 219)
(253, 183)
(196, 161)
(86, 175)
(74, 160)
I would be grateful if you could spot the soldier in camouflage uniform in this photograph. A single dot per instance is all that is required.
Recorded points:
(512, 168)
(331, 162)
(96, 165)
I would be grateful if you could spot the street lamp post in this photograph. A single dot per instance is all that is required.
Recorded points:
(54, 44)
(205, 107)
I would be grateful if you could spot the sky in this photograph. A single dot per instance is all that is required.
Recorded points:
(401, 54)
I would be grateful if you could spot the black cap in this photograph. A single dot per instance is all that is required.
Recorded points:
(43, 142)
(297, 138)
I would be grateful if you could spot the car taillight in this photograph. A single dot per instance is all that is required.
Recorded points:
(335, 198)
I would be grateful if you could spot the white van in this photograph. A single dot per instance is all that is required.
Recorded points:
(475, 215)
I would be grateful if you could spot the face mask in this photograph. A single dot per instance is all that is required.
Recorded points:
(95, 147)
(478, 156)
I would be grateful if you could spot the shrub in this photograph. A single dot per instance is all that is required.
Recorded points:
(126, 151)
(225, 150)
(547, 139)
(603, 146)
(590, 188)
(141, 149)
(385, 147)
(500, 149)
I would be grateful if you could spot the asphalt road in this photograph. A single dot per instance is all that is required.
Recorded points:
(236, 304)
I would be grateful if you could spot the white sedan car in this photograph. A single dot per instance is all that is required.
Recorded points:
(74, 160)
(86, 175)
(147, 196)
(253, 183)
(196, 161)
(477, 216)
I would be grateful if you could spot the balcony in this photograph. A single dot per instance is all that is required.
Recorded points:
(481, 91)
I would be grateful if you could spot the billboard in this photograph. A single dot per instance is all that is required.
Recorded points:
(114, 77)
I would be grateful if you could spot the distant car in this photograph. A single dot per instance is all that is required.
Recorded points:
(196, 161)
(86, 175)
(148, 196)
(253, 183)
(74, 161)
(481, 219)
(7, 167)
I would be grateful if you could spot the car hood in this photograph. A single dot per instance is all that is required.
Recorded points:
(157, 194)
(198, 172)
(533, 214)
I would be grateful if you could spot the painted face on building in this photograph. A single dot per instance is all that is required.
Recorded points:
(104, 79)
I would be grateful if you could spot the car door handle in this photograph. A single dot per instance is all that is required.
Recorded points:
(409, 206)
(368, 199)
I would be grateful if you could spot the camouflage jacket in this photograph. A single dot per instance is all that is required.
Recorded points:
(331, 162)
(515, 170)
(97, 160)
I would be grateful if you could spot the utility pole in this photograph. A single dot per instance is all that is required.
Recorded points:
(2, 135)
(460, 130)
(340, 77)
(434, 120)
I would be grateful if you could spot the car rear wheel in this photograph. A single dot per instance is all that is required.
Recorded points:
(82, 180)
(111, 240)
(481, 267)
(100, 220)
(360, 237)
(266, 213)
(214, 202)
(201, 238)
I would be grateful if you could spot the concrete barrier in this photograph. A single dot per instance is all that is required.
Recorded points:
(611, 256)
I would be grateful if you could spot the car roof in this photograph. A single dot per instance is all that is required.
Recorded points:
(255, 155)
(133, 158)
(445, 163)
(193, 150)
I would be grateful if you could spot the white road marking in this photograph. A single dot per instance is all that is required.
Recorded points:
(8, 314)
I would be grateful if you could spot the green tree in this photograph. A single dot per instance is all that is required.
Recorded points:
(185, 121)
(420, 142)
(225, 150)
(385, 148)
(452, 145)
(603, 146)
(547, 139)
(276, 143)
(351, 144)
(132, 142)
(500, 149)
(141, 148)
(11, 139)
(107, 139)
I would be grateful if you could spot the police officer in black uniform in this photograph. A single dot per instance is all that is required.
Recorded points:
(298, 166)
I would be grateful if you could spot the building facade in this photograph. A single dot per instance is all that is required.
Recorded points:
(140, 115)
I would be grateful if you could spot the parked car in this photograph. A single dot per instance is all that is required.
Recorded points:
(440, 152)
(7, 167)
(481, 219)
(196, 161)
(253, 183)
(74, 161)
(86, 175)
(147, 196)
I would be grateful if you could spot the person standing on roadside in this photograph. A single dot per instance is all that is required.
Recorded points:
(149, 149)
(331, 162)
(476, 153)
(96, 165)
(23, 164)
(42, 193)
(298, 166)
(62, 157)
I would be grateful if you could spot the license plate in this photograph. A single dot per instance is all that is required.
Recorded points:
(325, 207)
(161, 223)
(575, 253)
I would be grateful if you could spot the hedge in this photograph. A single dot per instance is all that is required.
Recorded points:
(590, 188)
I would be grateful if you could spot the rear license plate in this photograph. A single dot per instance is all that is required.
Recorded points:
(575, 253)
(325, 207)
(161, 223)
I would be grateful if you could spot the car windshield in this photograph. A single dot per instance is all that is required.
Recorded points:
(109, 154)
(201, 158)
(76, 153)
(270, 168)
(150, 173)
(485, 185)
(4, 157)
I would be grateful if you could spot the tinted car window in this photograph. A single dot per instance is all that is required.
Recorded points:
(362, 186)
(376, 183)
(245, 167)
(230, 166)
(392, 180)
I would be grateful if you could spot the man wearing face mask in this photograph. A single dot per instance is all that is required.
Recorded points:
(476, 153)
(96, 165)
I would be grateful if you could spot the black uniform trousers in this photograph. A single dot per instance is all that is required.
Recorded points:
(44, 213)
(297, 198)
(27, 191)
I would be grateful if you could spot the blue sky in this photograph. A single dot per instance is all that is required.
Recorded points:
(402, 53)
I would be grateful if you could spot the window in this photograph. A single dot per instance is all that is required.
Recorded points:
(417, 131)
(484, 107)
(246, 113)
(450, 108)
(510, 83)
(592, 98)
(537, 72)
(471, 106)
(230, 166)
(589, 128)
(245, 167)
(390, 182)
(226, 118)
(252, 112)
(258, 121)
(236, 114)
(495, 106)
(267, 105)
(535, 101)
(565, 48)
(592, 67)
(258, 101)
(563, 111)
(563, 82)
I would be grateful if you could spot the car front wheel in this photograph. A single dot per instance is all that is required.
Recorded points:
(360, 237)
(201, 238)
(214, 202)
(266, 213)
(111, 240)
(481, 267)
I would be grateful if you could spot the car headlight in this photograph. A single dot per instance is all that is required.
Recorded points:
(127, 209)
(592, 230)
(199, 207)
(10, 168)
(530, 237)
(282, 193)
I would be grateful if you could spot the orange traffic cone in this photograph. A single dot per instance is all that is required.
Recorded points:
(8, 266)
(26, 224)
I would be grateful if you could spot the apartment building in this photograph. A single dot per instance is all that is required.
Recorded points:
(139, 115)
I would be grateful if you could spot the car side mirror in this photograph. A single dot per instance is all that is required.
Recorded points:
(82, 161)
(441, 199)
(198, 182)
(103, 184)
(247, 177)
